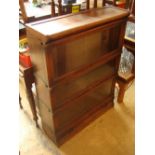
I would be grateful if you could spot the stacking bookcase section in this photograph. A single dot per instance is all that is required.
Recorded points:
(83, 50)
(78, 107)
(72, 88)
(75, 59)
(68, 89)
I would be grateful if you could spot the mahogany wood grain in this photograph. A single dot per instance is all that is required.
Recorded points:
(68, 25)
(75, 67)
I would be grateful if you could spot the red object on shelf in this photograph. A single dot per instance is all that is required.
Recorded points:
(121, 4)
(25, 60)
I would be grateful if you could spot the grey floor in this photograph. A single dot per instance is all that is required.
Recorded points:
(110, 134)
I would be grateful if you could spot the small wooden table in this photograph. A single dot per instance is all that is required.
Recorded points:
(26, 74)
(124, 79)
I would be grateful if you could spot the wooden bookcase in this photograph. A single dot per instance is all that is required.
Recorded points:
(75, 59)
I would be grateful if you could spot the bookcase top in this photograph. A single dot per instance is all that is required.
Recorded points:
(62, 26)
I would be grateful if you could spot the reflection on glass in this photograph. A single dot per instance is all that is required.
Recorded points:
(84, 104)
(67, 89)
(84, 50)
(130, 30)
(126, 62)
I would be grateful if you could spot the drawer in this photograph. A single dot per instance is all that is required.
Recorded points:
(73, 88)
(81, 51)
(81, 106)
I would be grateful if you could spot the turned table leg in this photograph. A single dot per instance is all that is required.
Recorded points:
(32, 105)
(26, 73)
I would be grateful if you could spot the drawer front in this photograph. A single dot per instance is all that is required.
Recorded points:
(70, 89)
(88, 49)
(78, 108)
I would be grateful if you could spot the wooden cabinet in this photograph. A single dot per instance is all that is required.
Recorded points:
(75, 59)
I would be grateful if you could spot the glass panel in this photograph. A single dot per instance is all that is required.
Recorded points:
(63, 91)
(130, 30)
(84, 104)
(126, 62)
(84, 50)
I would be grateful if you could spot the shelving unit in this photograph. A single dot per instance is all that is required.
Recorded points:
(75, 67)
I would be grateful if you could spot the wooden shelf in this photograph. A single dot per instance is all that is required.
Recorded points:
(76, 58)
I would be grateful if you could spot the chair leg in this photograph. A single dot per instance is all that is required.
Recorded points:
(32, 105)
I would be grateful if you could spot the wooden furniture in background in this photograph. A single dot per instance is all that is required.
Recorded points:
(111, 2)
(59, 5)
(22, 11)
(26, 75)
(30, 13)
(95, 3)
(119, 3)
(62, 8)
(129, 43)
(132, 11)
(75, 60)
(104, 3)
(124, 79)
